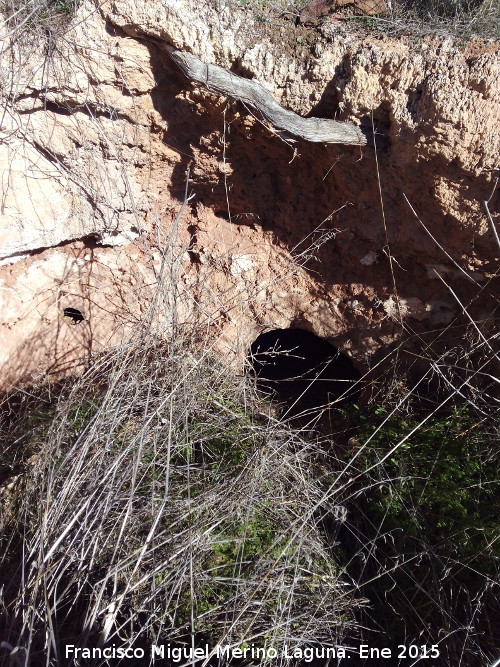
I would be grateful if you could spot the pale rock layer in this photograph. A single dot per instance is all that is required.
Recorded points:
(99, 129)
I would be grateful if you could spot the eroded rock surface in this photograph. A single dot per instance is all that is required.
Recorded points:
(99, 129)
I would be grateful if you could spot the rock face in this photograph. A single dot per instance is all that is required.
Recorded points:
(99, 129)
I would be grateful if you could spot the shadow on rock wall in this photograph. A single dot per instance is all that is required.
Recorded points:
(249, 176)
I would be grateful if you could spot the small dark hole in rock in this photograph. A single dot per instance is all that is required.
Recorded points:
(222, 214)
(74, 314)
(303, 371)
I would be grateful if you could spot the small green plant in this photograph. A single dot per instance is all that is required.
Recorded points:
(446, 480)
(65, 6)
(370, 23)
(432, 507)
(24, 18)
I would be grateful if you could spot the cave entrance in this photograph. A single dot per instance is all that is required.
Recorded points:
(303, 371)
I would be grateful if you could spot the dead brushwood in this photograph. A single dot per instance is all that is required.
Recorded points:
(161, 505)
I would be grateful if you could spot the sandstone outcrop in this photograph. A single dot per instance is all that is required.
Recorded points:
(99, 129)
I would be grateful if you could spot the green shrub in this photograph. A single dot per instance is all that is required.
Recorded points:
(443, 481)
(429, 524)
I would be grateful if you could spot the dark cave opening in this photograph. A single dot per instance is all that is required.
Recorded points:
(303, 371)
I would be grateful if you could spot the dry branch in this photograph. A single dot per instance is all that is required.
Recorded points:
(251, 92)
